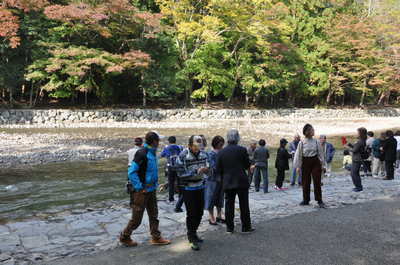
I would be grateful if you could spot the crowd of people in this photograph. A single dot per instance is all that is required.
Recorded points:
(205, 181)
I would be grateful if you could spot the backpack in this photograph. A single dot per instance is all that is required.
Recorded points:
(173, 158)
(367, 151)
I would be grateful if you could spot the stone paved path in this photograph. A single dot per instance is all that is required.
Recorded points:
(94, 230)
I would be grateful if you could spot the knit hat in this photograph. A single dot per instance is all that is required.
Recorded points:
(138, 141)
(283, 141)
(306, 128)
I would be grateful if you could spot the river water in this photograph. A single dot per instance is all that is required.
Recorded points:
(45, 189)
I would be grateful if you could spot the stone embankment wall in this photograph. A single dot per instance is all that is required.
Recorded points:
(24, 116)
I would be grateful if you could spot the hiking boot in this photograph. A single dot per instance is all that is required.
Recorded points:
(127, 241)
(248, 230)
(304, 203)
(178, 210)
(321, 204)
(292, 184)
(160, 241)
(194, 245)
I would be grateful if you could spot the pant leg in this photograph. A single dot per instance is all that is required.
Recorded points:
(199, 206)
(397, 158)
(230, 208)
(189, 198)
(367, 165)
(257, 178)
(355, 175)
(316, 176)
(152, 212)
(364, 166)
(250, 176)
(375, 167)
(279, 178)
(243, 195)
(171, 180)
(383, 169)
(265, 179)
(389, 169)
(293, 174)
(140, 200)
(306, 168)
(180, 202)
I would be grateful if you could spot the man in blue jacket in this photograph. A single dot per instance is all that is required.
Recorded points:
(143, 174)
(329, 152)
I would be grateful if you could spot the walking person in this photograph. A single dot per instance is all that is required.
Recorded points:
(357, 158)
(261, 155)
(213, 193)
(143, 174)
(379, 156)
(389, 147)
(171, 152)
(292, 151)
(309, 160)
(397, 137)
(281, 164)
(233, 161)
(250, 152)
(329, 152)
(193, 163)
(367, 162)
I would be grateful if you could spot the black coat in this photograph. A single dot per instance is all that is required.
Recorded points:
(281, 162)
(389, 146)
(233, 161)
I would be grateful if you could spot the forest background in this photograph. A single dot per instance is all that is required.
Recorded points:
(254, 53)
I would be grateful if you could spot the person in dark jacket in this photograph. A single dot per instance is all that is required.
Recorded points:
(356, 149)
(281, 164)
(379, 157)
(171, 150)
(389, 147)
(261, 155)
(233, 161)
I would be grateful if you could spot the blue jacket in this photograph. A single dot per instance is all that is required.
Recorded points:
(214, 175)
(173, 148)
(376, 147)
(144, 169)
(330, 151)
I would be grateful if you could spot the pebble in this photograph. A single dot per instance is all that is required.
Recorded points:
(92, 230)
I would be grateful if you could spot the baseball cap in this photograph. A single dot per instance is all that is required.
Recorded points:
(159, 135)
(138, 140)
(198, 142)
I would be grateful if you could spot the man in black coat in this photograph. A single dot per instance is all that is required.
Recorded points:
(389, 147)
(233, 161)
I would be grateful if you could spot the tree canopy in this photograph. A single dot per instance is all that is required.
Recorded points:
(263, 52)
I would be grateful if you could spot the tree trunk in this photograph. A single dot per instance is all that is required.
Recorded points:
(363, 93)
(85, 98)
(144, 97)
(247, 99)
(289, 98)
(31, 96)
(11, 96)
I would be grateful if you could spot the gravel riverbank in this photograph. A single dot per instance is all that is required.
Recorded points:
(52, 143)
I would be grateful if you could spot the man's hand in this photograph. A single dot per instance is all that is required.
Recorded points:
(143, 191)
(298, 170)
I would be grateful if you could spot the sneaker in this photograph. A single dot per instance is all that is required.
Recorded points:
(194, 245)
(321, 204)
(299, 183)
(362, 175)
(276, 187)
(170, 202)
(304, 203)
(229, 232)
(127, 241)
(357, 190)
(292, 184)
(248, 231)
(199, 239)
(160, 241)
(178, 210)
(282, 188)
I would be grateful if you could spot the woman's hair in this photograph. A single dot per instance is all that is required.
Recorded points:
(346, 152)
(216, 140)
(389, 133)
(370, 134)
(307, 129)
(363, 133)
